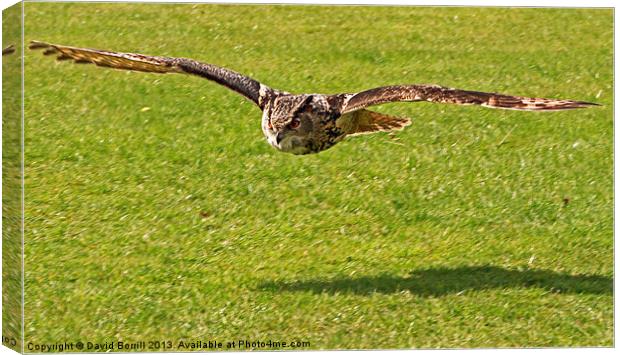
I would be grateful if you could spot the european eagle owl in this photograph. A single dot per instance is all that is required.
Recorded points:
(308, 123)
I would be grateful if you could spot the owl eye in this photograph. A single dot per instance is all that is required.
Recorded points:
(295, 123)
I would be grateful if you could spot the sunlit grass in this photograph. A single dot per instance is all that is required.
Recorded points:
(473, 228)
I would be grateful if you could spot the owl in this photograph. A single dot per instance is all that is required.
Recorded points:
(308, 123)
(8, 50)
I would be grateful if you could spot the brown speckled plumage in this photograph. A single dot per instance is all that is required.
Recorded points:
(10, 49)
(308, 123)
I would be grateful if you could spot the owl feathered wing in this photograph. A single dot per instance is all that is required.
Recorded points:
(434, 93)
(244, 85)
(8, 50)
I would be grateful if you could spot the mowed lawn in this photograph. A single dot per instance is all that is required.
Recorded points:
(155, 209)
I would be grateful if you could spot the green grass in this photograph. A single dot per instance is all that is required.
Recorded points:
(11, 180)
(474, 228)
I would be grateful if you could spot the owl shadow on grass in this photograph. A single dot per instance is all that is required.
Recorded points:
(445, 281)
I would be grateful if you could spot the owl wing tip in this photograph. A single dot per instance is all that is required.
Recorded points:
(38, 44)
(577, 104)
(587, 104)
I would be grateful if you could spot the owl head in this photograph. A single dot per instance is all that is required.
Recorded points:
(289, 122)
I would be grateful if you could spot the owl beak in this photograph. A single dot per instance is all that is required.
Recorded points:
(279, 137)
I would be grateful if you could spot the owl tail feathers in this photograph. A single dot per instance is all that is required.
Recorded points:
(365, 122)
